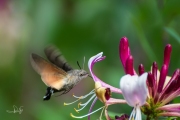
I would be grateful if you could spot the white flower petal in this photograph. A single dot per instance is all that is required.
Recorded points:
(94, 58)
(134, 89)
(138, 114)
(135, 114)
(127, 85)
(142, 88)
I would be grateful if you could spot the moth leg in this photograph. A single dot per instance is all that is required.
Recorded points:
(54, 90)
(66, 91)
(48, 94)
(61, 90)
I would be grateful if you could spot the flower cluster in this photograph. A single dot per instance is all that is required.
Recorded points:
(149, 92)
(162, 89)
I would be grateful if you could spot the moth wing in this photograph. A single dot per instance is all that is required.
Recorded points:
(55, 56)
(51, 75)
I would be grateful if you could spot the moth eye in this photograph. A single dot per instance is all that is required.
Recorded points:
(81, 74)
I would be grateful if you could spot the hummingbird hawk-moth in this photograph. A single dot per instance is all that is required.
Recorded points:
(56, 73)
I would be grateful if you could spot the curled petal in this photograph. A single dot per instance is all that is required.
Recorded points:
(91, 63)
(134, 89)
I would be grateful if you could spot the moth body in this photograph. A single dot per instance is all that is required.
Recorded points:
(56, 74)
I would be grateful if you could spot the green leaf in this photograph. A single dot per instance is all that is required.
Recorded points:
(173, 33)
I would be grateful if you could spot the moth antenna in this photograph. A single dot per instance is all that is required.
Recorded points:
(84, 62)
(78, 65)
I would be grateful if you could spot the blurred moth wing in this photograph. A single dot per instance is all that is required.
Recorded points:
(51, 75)
(55, 56)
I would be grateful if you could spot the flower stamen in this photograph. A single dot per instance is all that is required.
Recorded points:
(86, 114)
(87, 101)
(81, 97)
(85, 104)
(102, 112)
(72, 102)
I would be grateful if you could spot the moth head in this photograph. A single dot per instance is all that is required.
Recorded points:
(80, 73)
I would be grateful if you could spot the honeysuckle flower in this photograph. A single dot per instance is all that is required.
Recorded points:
(135, 92)
(91, 63)
(161, 88)
(102, 92)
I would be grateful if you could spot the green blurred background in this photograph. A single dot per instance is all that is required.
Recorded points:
(79, 28)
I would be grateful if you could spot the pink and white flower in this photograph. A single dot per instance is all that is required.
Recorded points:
(161, 88)
(102, 92)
